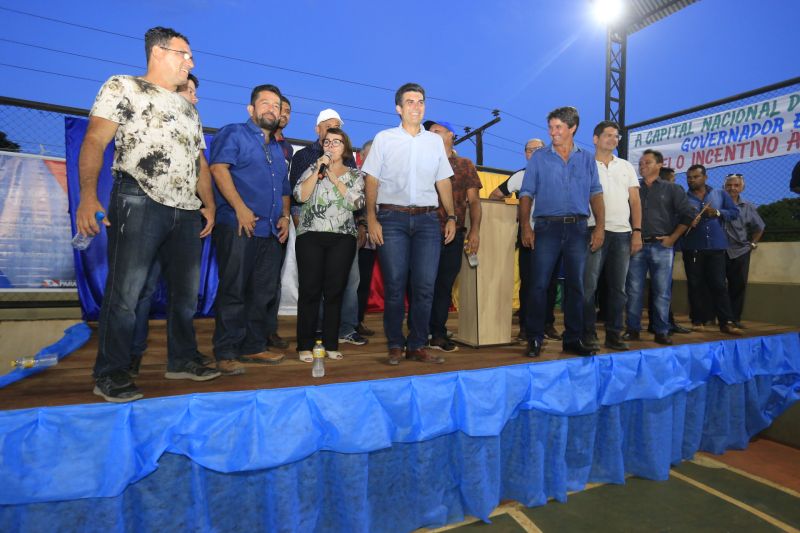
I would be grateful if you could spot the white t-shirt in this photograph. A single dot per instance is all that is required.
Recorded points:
(616, 179)
(515, 183)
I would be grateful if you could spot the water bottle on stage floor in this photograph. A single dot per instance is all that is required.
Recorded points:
(318, 368)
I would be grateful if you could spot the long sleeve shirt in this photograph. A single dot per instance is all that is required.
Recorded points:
(664, 206)
(709, 234)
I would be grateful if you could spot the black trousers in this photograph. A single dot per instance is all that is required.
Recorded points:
(736, 272)
(323, 265)
(708, 291)
(366, 262)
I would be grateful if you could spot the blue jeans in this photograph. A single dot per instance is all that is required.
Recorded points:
(658, 261)
(615, 254)
(142, 230)
(249, 276)
(555, 238)
(350, 301)
(449, 266)
(143, 311)
(410, 253)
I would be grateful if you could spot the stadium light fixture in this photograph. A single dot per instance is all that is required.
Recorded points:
(607, 12)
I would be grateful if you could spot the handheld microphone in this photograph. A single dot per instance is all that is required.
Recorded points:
(323, 167)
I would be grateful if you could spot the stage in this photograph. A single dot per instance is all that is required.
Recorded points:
(376, 448)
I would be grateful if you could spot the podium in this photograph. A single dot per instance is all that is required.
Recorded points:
(486, 291)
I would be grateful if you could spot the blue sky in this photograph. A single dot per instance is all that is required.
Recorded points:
(523, 57)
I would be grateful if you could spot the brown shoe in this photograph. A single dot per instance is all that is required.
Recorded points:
(230, 367)
(262, 358)
(731, 329)
(364, 331)
(395, 356)
(424, 357)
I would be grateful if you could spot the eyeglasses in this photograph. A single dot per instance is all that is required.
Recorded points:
(186, 55)
(333, 143)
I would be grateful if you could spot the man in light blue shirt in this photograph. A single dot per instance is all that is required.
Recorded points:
(564, 181)
(407, 173)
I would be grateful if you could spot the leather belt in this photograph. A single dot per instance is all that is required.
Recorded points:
(571, 219)
(408, 209)
(653, 239)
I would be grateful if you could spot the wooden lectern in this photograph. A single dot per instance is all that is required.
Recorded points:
(486, 291)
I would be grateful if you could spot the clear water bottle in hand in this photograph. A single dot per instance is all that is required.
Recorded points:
(318, 368)
(81, 241)
(31, 361)
(472, 257)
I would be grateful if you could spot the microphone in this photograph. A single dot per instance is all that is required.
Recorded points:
(323, 167)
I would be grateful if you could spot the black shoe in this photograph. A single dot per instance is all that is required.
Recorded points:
(205, 360)
(577, 348)
(591, 341)
(534, 348)
(136, 364)
(615, 342)
(551, 333)
(445, 345)
(663, 338)
(194, 371)
(739, 325)
(276, 341)
(117, 387)
(631, 335)
(676, 328)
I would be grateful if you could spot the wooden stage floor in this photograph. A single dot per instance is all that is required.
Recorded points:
(70, 382)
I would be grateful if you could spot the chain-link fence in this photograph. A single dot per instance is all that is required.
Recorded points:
(766, 179)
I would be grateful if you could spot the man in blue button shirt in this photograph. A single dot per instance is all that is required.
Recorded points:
(252, 183)
(563, 179)
(704, 247)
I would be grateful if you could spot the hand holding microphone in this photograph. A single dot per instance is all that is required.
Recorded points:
(323, 166)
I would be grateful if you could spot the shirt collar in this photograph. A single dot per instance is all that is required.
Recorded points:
(575, 148)
(252, 126)
(401, 128)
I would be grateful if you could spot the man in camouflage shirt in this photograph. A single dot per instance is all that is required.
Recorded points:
(154, 210)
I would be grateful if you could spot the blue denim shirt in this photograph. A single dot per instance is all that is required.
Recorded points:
(709, 234)
(259, 174)
(561, 188)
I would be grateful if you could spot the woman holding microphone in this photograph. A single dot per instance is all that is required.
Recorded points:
(329, 192)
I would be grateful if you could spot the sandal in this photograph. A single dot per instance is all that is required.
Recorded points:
(333, 354)
(306, 356)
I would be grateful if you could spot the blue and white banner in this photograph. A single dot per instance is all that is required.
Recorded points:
(759, 130)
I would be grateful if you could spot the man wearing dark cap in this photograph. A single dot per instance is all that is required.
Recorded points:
(465, 183)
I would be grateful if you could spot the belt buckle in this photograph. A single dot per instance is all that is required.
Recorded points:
(570, 220)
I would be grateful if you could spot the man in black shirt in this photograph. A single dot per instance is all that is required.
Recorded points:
(663, 203)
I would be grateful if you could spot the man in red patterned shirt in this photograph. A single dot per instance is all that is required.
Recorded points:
(465, 183)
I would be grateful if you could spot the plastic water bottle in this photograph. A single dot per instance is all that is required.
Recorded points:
(82, 242)
(318, 368)
(31, 361)
(472, 257)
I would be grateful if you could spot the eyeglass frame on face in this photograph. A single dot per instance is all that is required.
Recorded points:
(186, 55)
(330, 142)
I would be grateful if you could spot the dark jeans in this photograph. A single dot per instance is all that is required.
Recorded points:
(141, 230)
(142, 327)
(736, 271)
(615, 254)
(323, 266)
(554, 239)
(705, 275)
(410, 253)
(274, 307)
(449, 267)
(249, 276)
(366, 262)
(524, 287)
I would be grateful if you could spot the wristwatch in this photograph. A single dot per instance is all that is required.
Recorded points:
(451, 217)
(753, 245)
(637, 229)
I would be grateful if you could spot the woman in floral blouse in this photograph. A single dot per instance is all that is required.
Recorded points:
(326, 241)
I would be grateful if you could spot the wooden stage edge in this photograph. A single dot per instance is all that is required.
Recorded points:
(70, 382)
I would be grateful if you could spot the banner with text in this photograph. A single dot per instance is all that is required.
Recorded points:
(758, 130)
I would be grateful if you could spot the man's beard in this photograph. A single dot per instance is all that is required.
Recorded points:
(267, 123)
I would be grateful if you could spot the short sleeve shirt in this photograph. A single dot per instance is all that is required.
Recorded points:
(327, 209)
(158, 141)
(616, 179)
(465, 176)
(407, 167)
